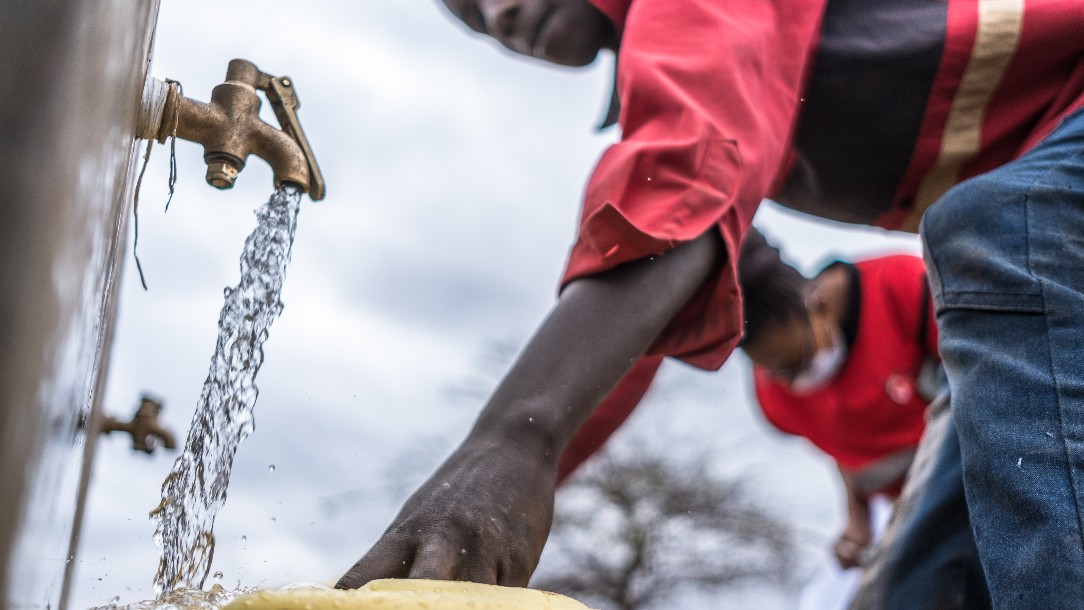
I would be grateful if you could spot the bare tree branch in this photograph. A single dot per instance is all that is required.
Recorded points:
(632, 528)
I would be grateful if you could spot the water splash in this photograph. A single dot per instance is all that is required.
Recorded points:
(182, 599)
(212, 599)
(195, 489)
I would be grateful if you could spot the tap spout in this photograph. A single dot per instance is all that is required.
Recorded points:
(230, 129)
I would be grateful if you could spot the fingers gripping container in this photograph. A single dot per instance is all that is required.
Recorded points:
(407, 594)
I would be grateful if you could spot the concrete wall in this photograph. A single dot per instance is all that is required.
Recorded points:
(71, 73)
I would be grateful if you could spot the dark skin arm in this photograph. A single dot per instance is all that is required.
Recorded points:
(485, 514)
(857, 534)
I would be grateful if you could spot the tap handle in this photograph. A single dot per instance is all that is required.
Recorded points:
(283, 98)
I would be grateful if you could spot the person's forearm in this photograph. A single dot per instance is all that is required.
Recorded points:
(485, 513)
(608, 416)
(857, 502)
(598, 328)
(852, 543)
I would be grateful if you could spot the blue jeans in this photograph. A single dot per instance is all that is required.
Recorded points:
(1005, 252)
(926, 559)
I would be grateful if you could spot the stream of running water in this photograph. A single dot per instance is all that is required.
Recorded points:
(195, 489)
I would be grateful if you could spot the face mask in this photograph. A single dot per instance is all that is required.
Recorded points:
(825, 365)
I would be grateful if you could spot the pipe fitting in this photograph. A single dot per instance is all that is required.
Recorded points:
(151, 106)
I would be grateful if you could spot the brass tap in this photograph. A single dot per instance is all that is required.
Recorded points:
(144, 428)
(230, 129)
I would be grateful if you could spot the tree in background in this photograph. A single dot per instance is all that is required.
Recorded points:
(632, 528)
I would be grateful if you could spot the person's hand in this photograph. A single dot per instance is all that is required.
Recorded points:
(483, 517)
(851, 546)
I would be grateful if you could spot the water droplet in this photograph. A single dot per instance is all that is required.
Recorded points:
(462, 551)
(115, 599)
(271, 468)
(217, 575)
(530, 419)
(274, 520)
(244, 538)
(446, 486)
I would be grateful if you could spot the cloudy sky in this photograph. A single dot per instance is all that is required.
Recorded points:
(454, 171)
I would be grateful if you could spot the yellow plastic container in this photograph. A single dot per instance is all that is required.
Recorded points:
(407, 594)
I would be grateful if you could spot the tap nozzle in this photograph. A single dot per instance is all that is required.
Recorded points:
(222, 171)
(230, 129)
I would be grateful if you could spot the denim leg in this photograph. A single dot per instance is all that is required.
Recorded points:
(1005, 252)
(927, 558)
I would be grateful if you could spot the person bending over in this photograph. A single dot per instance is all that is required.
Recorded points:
(960, 118)
(845, 360)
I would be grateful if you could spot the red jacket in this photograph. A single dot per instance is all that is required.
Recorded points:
(853, 110)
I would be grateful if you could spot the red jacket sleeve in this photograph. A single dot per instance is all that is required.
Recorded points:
(608, 416)
(709, 94)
